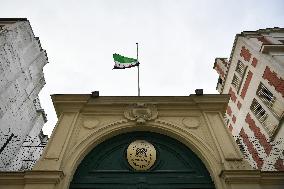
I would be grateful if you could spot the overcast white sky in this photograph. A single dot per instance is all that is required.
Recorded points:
(178, 42)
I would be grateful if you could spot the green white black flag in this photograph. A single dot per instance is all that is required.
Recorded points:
(122, 62)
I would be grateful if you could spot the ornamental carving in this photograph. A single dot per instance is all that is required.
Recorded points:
(141, 155)
(191, 122)
(141, 112)
(90, 123)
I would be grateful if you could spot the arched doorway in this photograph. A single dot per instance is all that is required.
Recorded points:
(107, 165)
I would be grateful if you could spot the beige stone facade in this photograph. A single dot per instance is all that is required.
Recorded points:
(196, 121)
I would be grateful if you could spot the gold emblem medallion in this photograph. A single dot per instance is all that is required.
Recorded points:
(141, 155)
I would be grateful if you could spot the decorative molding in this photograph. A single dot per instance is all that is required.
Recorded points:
(47, 176)
(239, 165)
(91, 122)
(188, 122)
(253, 177)
(69, 120)
(96, 131)
(141, 112)
(168, 123)
(10, 178)
(191, 122)
(31, 177)
(117, 122)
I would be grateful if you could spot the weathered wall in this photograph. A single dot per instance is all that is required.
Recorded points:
(21, 79)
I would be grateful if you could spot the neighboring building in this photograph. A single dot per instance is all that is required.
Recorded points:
(254, 78)
(21, 79)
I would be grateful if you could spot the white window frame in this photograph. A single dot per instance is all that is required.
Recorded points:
(265, 95)
(258, 111)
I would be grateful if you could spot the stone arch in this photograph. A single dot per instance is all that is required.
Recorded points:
(176, 165)
(193, 142)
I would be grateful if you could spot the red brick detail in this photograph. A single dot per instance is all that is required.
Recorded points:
(230, 127)
(233, 95)
(251, 149)
(224, 62)
(246, 85)
(219, 70)
(258, 134)
(254, 62)
(239, 105)
(229, 111)
(279, 164)
(263, 40)
(245, 54)
(234, 119)
(273, 80)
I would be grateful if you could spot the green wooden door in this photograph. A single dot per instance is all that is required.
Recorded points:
(176, 166)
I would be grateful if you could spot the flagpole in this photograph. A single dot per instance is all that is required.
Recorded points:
(138, 71)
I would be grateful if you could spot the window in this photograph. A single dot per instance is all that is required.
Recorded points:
(37, 104)
(226, 119)
(280, 39)
(265, 95)
(258, 111)
(220, 80)
(241, 147)
(236, 82)
(240, 69)
(239, 76)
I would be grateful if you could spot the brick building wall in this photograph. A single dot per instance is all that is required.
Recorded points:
(254, 80)
(21, 78)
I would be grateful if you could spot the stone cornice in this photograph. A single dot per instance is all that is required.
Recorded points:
(51, 177)
(262, 31)
(12, 177)
(84, 102)
(253, 176)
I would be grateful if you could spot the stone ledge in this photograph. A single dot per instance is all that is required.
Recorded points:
(41, 177)
(253, 177)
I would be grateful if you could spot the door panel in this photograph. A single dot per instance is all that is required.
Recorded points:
(176, 166)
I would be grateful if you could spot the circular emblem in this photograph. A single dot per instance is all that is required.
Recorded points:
(141, 155)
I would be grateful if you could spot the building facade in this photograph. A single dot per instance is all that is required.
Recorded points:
(135, 141)
(21, 78)
(253, 76)
(141, 142)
